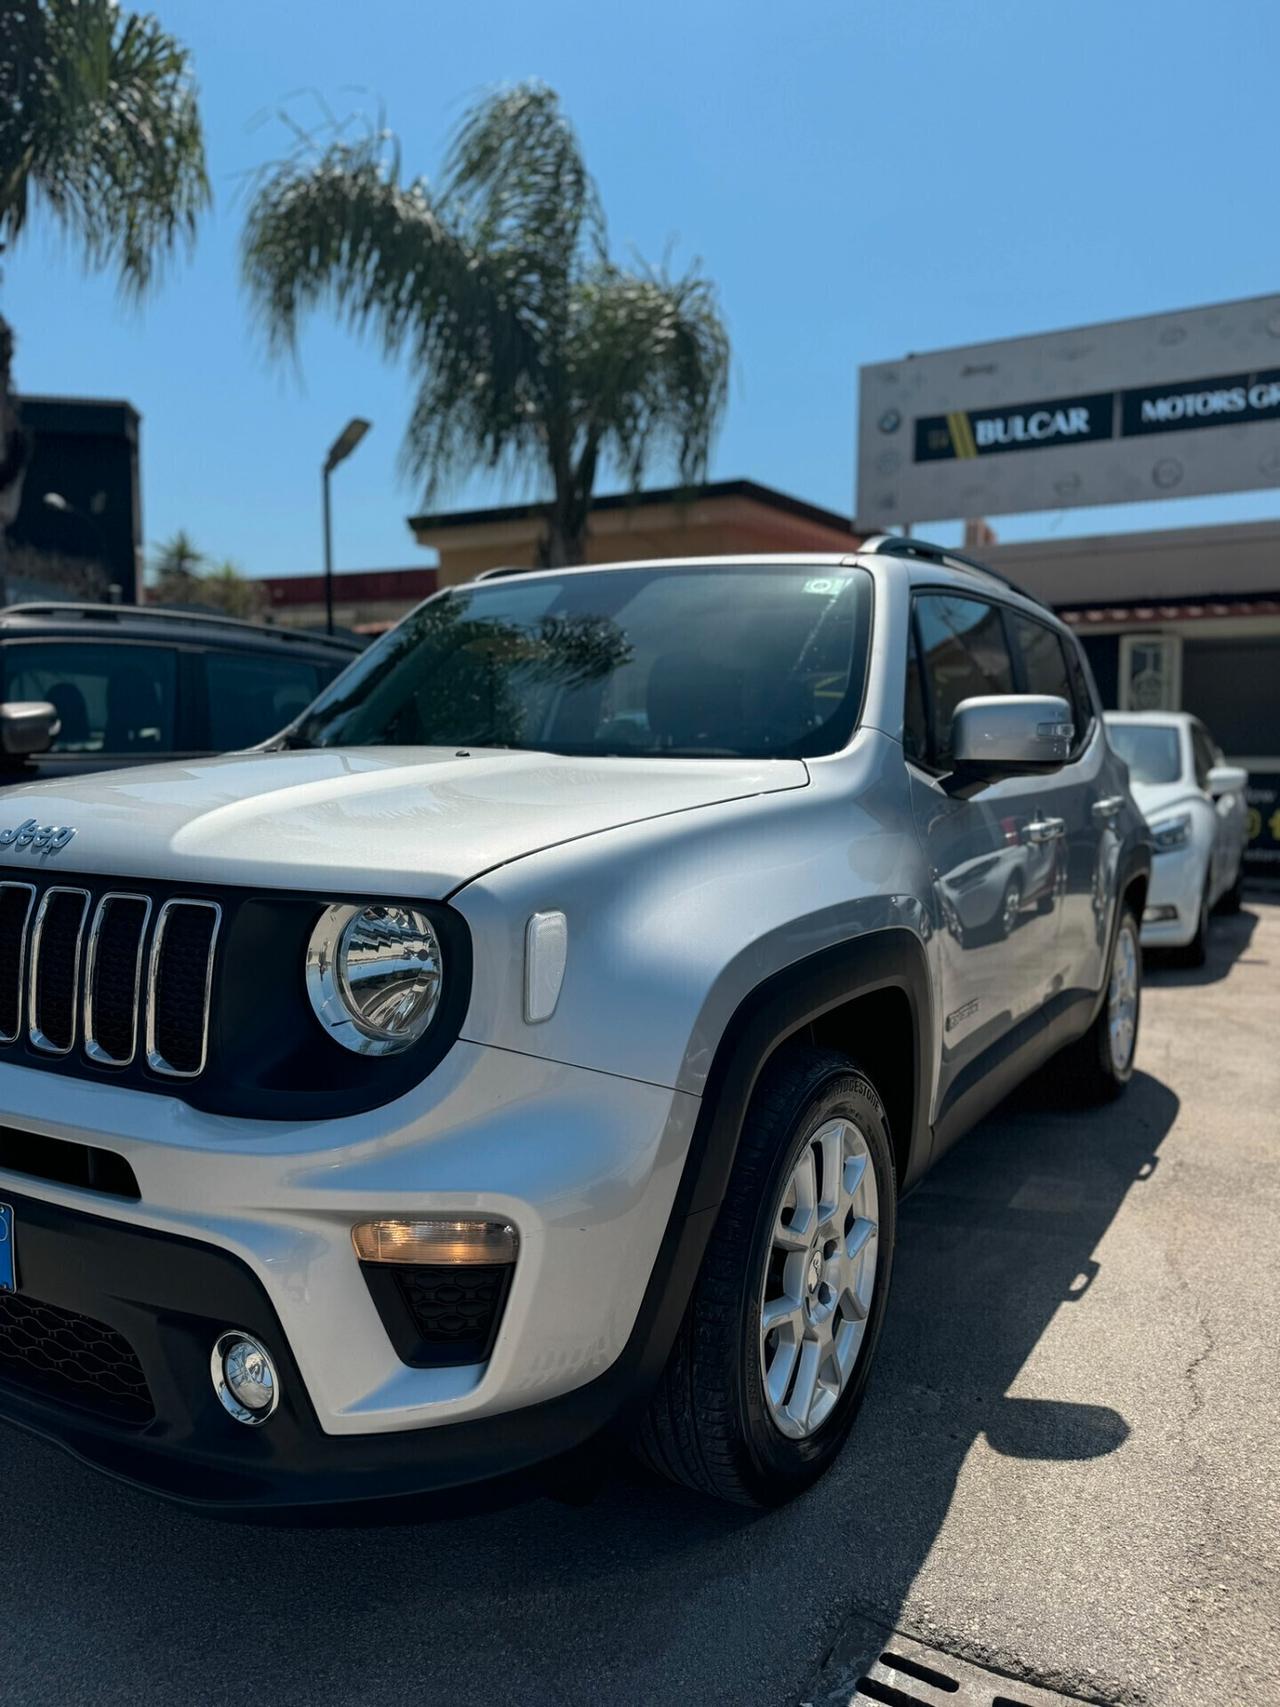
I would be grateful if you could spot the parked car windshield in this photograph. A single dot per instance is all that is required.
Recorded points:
(1151, 751)
(752, 661)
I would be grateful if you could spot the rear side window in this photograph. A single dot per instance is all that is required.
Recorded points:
(964, 655)
(252, 695)
(110, 697)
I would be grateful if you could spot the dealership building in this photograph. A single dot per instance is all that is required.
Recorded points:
(1167, 406)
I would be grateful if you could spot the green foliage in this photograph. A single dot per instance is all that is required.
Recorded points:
(532, 348)
(99, 121)
(182, 575)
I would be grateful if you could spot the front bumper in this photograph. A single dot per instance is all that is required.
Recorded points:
(249, 1227)
(1176, 888)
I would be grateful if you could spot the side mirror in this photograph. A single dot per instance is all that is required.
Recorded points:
(1004, 733)
(27, 727)
(1227, 779)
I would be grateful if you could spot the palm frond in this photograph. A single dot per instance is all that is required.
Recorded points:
(99, 121)
(650, 364)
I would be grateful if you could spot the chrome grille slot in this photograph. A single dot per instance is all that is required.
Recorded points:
(113, 978)
(16, 900)
(179, 984)
(53, 984)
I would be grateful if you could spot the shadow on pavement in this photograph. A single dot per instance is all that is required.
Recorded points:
(1230, 935)
(647, 1595)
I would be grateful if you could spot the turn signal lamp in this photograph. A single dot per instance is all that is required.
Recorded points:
(435, 1242)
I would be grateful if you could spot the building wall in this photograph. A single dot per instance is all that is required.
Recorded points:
(1171, 564)
(1209, 597)
(697, 527)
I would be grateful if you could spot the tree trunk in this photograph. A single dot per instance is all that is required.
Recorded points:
(564, 540)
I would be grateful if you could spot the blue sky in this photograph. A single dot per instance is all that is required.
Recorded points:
(861, 178)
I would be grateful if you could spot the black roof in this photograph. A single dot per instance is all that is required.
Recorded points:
(155, 622)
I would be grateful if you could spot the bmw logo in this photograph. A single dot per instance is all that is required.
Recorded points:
(890, 421)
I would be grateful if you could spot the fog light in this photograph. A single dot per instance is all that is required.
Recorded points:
(1158, 915)
(435, 1242)
(244, 1378)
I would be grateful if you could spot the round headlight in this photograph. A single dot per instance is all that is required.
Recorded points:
(373, 975)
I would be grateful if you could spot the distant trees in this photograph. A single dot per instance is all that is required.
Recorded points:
(99, 126)
(532, 349)
(182, 575)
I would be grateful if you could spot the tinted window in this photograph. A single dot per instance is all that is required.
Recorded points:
(1152, 752)
(749, 661)
(1044, 664)
(111, 697)
(252, 695)
(965, 655)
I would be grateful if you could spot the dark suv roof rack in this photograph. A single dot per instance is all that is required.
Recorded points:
(69, 610)
(921, 551)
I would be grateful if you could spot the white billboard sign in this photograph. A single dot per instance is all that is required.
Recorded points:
(1171, 405)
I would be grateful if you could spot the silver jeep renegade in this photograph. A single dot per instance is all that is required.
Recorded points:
(530, 1045)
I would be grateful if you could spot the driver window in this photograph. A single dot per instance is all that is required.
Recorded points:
(965, 655)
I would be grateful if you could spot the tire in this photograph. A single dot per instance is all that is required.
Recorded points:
(711, 1424)
(1091, 1066)
(1232, 901)
(1010, 907)
(1196, 951)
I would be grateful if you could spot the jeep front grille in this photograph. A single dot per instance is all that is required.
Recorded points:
(101, 977)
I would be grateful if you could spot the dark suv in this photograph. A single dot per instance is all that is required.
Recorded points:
(130, 684)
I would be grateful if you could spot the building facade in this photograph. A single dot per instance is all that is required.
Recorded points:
(1180, 620)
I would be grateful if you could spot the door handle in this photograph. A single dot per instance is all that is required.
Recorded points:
(1103, 809)
(1046, 830)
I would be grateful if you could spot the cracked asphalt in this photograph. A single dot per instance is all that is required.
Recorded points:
(1068, 1466)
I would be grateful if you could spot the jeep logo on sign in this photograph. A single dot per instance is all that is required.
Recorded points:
(39, 838)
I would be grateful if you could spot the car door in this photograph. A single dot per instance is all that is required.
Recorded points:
(995, 900)
(1079, 797)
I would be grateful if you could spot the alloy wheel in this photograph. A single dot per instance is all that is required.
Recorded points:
(1122, 998)
(819, 1278)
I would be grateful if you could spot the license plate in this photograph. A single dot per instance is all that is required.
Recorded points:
(8, 1263)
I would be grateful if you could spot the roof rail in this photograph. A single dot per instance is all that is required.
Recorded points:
(921, 551)
(162, 614)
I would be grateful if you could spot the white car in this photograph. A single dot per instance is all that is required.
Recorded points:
(1195, 805)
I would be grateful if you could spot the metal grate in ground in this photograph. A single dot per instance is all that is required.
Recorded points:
(907, 1674)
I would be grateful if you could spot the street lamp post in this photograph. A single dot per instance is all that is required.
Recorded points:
(339, 451)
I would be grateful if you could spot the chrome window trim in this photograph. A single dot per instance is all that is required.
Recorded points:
(37, 1037)
(155, 1060)
(12, 1037)
(92, 1048)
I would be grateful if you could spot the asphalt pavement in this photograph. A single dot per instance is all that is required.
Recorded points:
(1067, 1468)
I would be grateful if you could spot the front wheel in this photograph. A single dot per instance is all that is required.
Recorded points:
(772, 1359)
(1232, 901)
(1196, 951)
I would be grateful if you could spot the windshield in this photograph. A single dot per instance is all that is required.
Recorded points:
(1151, 752)
(753, 661)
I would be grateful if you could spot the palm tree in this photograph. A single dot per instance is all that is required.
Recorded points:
(533, 349)
(175, 571)
(99, 125)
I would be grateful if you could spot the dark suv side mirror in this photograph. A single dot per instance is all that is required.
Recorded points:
(1002, 734)
(27, 727)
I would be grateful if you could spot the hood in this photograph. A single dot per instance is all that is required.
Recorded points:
(415, 821)
(1157, 798)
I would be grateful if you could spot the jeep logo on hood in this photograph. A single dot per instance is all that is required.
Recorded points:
(39, 838)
